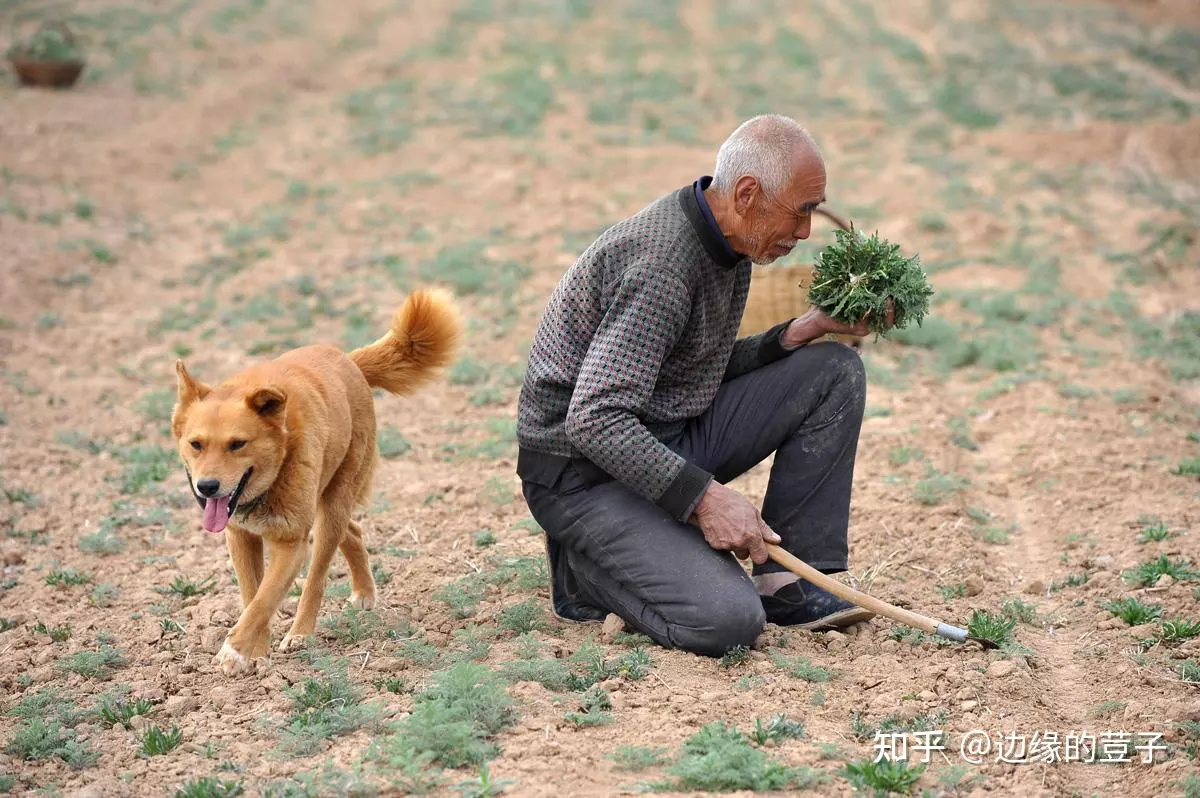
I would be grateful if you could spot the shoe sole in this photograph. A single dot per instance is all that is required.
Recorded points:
(837, 620)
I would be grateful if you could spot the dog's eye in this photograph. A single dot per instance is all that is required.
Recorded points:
(235, 445)
(196, 445)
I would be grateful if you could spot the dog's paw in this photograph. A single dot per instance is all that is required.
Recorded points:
(233, 663)
(361, 601)
(294, 642)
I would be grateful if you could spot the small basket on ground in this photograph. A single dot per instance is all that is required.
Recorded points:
(779, 293)
(48, 58)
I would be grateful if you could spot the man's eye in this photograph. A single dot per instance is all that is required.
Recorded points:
(235, 445)
(197, 445)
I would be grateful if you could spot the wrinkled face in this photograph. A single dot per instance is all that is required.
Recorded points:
(773, 224)
(231, 442)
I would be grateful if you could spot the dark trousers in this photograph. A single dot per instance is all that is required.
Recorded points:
(612, 550)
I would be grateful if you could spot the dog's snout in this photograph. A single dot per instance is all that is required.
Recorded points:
(208, 487)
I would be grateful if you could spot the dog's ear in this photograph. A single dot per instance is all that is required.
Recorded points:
(267, 401)
(188, 389)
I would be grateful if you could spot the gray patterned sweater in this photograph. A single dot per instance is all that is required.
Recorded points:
(635, 339)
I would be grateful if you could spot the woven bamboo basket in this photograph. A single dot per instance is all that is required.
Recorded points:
(779, 293)
(51, 73)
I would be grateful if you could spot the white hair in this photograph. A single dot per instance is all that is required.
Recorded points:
(763, 147)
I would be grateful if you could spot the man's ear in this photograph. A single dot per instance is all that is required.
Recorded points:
(188, 390)
(745, 191)
(267, 402)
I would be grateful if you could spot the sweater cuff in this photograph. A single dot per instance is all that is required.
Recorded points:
(684, 493)
(771, 348)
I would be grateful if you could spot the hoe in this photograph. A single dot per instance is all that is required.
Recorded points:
(916, 620)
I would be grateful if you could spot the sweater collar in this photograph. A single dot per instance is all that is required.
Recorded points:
(695, 207)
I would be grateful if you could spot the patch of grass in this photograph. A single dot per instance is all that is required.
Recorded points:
(738, 655)
(143, 466)
(462, 596)
(1018, 610)
(102, 542)
(1149, 572)
(467, 371)
(779, 728)
(863, 731)
(210, 787)
(391, 443)
(59, 634)
(1106, 708)
(380, 116)
(103, 594)
(121, 710)
(474, 641)
(468, 271)
(97, 664)
(997, 628)
(903, 455)
(952, 591)
(156, 742)
(594, 704)
(454, 721)
(937, 487)
(719, 758)
(932, 222)
(419, 651)
(1189, 671)
(1133, 611)
(883, 777)
(186, 588)
(552, 674)
(1155, 532)
(526, 616)
(483, 538)
(1072, 580)
(64, 577)
(483, 785)
(353, 625)
(323, 708)
(1178, 629)
(36, 740)
(799, 667)
(635, 758)
(1188, 468)
(954, 99)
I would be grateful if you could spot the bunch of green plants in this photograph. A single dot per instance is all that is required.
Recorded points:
(857, 275)
(45, 44)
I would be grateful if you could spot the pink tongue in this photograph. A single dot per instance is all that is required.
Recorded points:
(216, 514)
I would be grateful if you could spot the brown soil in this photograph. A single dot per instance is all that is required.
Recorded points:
(93, 311)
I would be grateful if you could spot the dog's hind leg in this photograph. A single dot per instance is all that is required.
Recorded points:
(246, 551)
(362, 581)
(327, 533)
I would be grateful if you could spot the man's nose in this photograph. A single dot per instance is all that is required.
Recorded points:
(804, 228)
(208, 487)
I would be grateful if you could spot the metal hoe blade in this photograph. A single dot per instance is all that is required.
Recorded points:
(960, 635)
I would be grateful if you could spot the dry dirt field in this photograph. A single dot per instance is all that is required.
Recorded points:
(234, 177)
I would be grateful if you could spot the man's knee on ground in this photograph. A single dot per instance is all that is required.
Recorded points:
(737, 623)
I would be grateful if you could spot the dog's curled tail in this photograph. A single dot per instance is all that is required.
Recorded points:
(424, 337)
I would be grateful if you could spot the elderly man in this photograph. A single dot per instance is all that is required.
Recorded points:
(639, 403)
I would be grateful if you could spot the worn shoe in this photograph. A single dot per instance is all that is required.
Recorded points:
(803, 605)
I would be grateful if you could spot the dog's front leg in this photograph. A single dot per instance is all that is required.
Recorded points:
(250, 638)
(246, 551)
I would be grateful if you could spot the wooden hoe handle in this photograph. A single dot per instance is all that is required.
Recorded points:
(906, 617)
